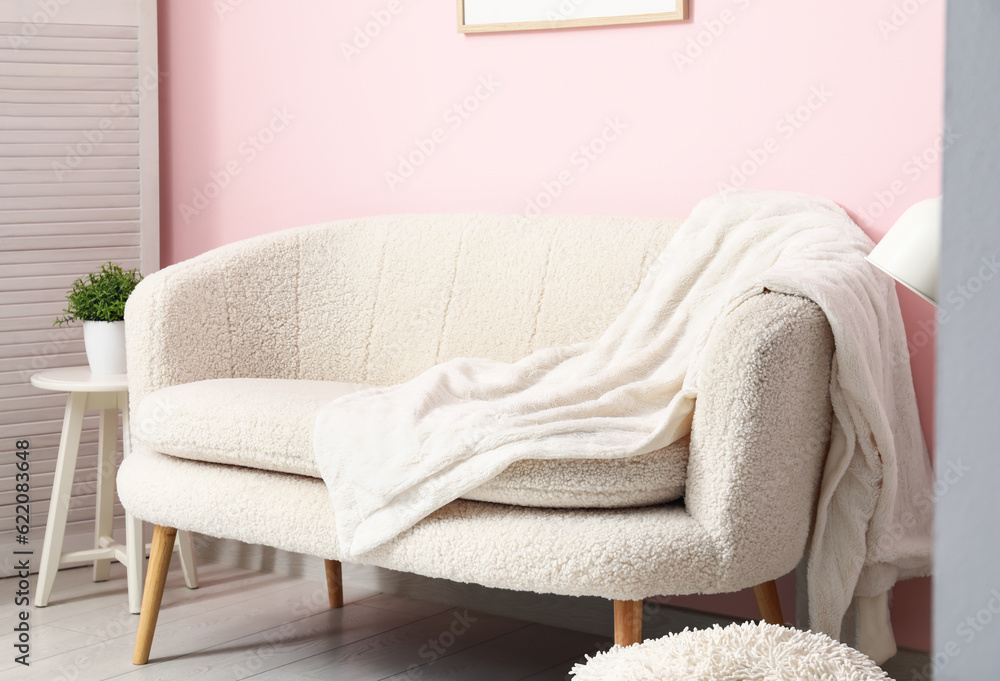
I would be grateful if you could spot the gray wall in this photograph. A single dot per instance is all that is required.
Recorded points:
(967, 576)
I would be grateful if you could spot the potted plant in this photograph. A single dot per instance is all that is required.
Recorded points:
(98, 300)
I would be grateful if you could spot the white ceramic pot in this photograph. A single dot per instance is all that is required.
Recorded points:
(105, 344)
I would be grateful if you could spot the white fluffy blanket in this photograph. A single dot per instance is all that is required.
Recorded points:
(391, 456)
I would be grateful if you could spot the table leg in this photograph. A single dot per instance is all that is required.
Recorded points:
(62, 488)
(135, 554)
(185, 546)
(107, 440)
(135, 542)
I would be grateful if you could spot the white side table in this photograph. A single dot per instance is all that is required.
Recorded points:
(109, 394)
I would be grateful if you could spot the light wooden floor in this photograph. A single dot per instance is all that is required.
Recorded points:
(270, 627)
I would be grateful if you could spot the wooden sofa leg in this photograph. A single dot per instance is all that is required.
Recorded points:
(152, 595)
(768, 603)
(628, 622)
(334, 583)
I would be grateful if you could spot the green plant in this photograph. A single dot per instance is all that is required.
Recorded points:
(100, 296)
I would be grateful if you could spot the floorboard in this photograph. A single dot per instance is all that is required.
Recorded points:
(254, 655)
(405, 648)
(557, 672)
(513, 656)
(243, 624)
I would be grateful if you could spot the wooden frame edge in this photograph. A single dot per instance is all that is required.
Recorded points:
(680, 14)
(149, 140)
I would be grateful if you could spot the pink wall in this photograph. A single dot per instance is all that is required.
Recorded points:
(838, 99)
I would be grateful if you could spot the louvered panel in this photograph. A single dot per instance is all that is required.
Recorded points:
(24, 324)
(68, 177)
(71, 353)
(95, 118)
(68, 267)
(39, 400)
(48, 443)
(69, 189)
(86, 471)
(72, 30)
(68, 270)
(67, 96)
(14, 311)
(27, 283)
(26, 69)
(83, 44)
(31, 429)
(16, 390)
(63, 166)
(80, 517)
(84, 485)
(120, 86)
(81, 509)
(31, 311)
(46, 464)
(65, 136)
(42, 337)
(56, 122)
(68, 350)
(20, 416)
(31, 296)
(33, 323)
(46, 446)
(78, 187)
(92, 109)
(43, 400)
(13, 217)
(124, 106)
(79, 512)
(33, 243)
(87, 456)
(57, 150)
(8, 56)
(43, 431)
(67, 202)
(43, 455)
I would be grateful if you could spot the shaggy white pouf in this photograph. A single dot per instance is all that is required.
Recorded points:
(739, 652)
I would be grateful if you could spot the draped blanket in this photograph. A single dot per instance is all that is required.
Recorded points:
(391, 456)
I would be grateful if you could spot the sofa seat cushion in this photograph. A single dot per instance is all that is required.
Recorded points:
(254, 422)
(268, 424)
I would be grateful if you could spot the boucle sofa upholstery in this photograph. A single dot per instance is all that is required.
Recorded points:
(272, 429)
(375, 301)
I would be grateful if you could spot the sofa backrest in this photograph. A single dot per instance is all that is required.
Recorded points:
(378, 300)
(382, 299)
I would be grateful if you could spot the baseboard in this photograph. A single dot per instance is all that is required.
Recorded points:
(584, 614)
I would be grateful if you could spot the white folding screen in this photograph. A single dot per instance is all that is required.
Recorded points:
(78, 187)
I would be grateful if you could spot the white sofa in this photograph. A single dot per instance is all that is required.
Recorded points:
(252, 328)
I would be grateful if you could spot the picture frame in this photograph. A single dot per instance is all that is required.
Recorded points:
(485, 16)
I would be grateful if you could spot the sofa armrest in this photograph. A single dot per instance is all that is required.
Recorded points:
(760, 434)
(228, 313)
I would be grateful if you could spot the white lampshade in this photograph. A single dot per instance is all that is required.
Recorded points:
(909, 251)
